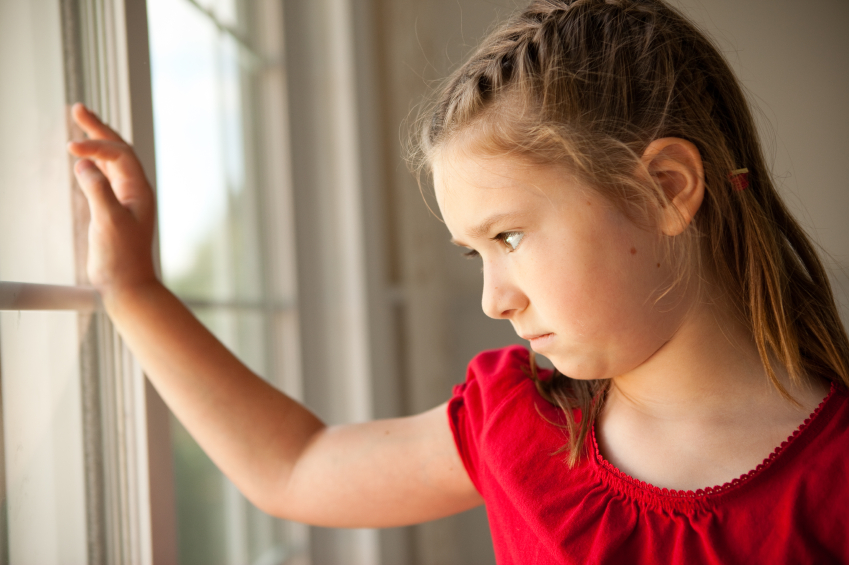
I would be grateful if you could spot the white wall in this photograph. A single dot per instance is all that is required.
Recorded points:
(793, 58)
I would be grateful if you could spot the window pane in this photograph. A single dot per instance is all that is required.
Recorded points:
(42, 422)
(44, 502)
(35, 188)
(216, 524)
(212, 249)
(206, 220)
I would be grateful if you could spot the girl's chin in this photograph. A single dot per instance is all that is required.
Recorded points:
(576, 369)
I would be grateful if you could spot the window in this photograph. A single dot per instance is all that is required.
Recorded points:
(89, 467)
(78, 467)
(226, 234)
(88, 475)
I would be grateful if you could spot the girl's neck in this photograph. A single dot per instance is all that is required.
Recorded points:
(701, 411)
(709, 367)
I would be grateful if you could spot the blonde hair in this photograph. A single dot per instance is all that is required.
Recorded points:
(589, 84)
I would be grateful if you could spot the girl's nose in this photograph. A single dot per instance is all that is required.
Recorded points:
(501, 296)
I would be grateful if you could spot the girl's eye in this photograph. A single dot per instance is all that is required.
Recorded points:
(511, 238)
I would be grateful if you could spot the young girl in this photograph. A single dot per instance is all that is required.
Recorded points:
(600, 159)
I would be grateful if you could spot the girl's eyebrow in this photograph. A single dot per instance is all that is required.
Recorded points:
(483, 229)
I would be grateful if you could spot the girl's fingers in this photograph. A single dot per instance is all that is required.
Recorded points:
(98, 149)
(101, 198)
(106, 151)
(116, 172)
(92, 125)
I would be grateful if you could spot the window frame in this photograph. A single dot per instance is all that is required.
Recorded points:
(129, 490)
(127, 464)
(338, 258)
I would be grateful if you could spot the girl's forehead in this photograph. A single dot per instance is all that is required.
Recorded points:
(469, 182)
(469, 187)
(456, 170)
(462, 174)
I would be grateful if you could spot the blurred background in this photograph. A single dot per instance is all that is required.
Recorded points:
(291, 225)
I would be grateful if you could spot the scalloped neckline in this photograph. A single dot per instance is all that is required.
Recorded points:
(650, 489)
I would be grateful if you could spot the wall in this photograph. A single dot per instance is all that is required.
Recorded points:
(793, 58)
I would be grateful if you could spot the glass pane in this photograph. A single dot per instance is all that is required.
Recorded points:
(242, 331)
(216, 523)
(200, 508)
(42, 424)
(225, 11)
(42, 482)
(210, 244)
(287, 351)
(35, 186)
(207, 219)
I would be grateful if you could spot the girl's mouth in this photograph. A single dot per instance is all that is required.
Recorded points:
(539, 341)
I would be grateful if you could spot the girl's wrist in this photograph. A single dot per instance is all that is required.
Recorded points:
(117, 296)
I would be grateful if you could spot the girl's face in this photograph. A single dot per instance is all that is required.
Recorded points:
(571, 273)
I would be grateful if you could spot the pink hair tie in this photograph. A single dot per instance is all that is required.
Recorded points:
(739, 179)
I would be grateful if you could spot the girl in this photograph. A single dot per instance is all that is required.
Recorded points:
(600, 159)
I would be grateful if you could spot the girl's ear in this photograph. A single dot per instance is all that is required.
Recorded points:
(676, 165)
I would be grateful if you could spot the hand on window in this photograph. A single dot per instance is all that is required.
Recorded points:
(122, 207)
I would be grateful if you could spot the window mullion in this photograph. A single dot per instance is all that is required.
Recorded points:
(130, 520)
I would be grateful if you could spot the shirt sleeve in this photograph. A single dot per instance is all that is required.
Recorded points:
(492, 379)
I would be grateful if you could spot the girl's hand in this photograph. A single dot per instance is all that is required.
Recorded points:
(122, 207)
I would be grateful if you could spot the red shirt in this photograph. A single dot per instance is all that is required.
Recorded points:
(791, 509)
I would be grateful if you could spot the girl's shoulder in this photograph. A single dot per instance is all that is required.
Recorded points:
(496, 376)
(497, 416)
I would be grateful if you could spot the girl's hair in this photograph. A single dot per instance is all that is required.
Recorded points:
(589, 84)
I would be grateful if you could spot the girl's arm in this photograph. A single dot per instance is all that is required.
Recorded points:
(286, 461)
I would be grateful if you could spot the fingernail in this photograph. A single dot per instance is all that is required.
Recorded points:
(84, 167)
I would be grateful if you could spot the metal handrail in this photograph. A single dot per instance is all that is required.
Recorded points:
(30, 296)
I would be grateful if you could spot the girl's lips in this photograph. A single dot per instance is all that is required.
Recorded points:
(539, 341)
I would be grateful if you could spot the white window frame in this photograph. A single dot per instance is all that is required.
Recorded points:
(127, 461)
(129, 468)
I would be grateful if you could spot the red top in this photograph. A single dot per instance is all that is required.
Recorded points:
(791, 509)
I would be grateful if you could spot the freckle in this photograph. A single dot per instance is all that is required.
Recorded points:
(589, 203)
(633, 251)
